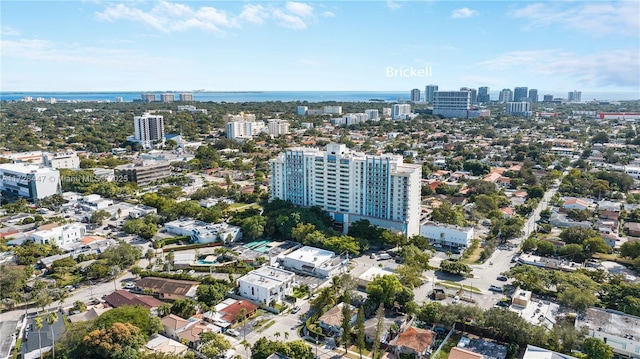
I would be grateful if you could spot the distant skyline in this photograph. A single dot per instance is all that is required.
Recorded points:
(589, 46)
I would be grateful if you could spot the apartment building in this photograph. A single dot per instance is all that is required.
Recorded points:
(61, 160)
(452, 103)
(148, 129)
(266, 284)
(350, 186)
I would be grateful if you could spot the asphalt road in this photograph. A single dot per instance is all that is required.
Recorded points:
(7, 328)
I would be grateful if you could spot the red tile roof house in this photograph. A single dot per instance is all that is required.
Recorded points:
(230, 313)
(168, 289)
(121, 298)
(414, 341)
(186, 330)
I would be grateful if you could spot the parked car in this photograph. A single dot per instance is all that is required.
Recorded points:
(456, 299)
(233, 332)
(384, 256)
(495, 288)
(295, 310)
(502, 278)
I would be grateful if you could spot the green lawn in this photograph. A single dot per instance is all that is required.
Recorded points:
(454, 285)
(452, 342)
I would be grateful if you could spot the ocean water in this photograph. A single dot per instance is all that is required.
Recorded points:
(285, 96)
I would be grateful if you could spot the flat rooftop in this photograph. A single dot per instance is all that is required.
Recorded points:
(313, 255)
(610, 321)
(25, 168)
(267, 276)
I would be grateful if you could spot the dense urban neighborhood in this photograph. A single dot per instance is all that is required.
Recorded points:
(172, 228)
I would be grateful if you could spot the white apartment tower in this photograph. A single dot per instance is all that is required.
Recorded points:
(149, 129)
(244, 129)
(372, 114)
(520, 109)
(452, 103)
(350, 186)
(401, 111)
(278, 127)
(415, 95)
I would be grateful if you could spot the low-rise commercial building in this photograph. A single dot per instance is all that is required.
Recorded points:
(203, 232)
(141, 172)
(29, 181)
(619, 330)
(61, 236)
(313, 261)
(447, 235)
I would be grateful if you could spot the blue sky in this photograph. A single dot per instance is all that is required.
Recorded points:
(591, 46)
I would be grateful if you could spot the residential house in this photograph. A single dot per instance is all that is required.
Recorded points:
(508, 212)
(186, 330)
(371, 326)
(163, 345)
(414, 341)
(168, 289)
(459, 353)
(232, 312)
(576, 203)
(121, 298)
(632, 229)
(331, 320)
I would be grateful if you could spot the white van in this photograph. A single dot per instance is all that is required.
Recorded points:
(384, 256)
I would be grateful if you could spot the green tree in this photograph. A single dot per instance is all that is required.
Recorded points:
(379, 328)
(597, 349)
(253, 227)
(359, 327)
(118, 341)
(346, 320)
(546, 247)
(39, 325)
(630, 249)
(454, 267)
(51, 319)
(137, 316)
(184, 308)
(99, 216)
(214, 345)
(384, 289)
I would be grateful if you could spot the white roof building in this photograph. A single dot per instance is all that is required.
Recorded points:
(370, 274)
(266, 284)
(619, 330)
(314, 261)
(29, 181)
(62, 236)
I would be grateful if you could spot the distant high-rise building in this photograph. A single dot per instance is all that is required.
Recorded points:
(372, 114)
(483, 94)
(277, 127)
(401, 111)
(452, 103)
(415, 95)
(473, 93)
(186, 97)
(505, 96)
(519, 93)
(118, 99)
(547, 98)
(148, 97)
(533, 95)
(301, 110)
(350, 186)
(148, 129)
(429, 91)
(521, 109)
(575, 96)
(167, 97)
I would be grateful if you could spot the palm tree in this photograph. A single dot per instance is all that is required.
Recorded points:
(286, 336)
(51, 319)
(277, 335)
(38, 321)
(246, 346)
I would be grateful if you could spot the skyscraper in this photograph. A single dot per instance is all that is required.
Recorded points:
(415, 95)
(167, 97)
(472, 92)
(505, 96)
(186, 97)
(429, 91)
(149, 129)
(483, 94)
(350, 186)
(452, 103)
(547, 98)
(519, 93)
(148, 97)
(575, 96)
(533, 95)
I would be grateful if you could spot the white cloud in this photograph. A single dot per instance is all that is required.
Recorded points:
(9, 31)
(595, 18)
(255, 14)
(393, 5)
(463, 13)
(167, 16)
(609, 68)
(328, 14)
(299, 9)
